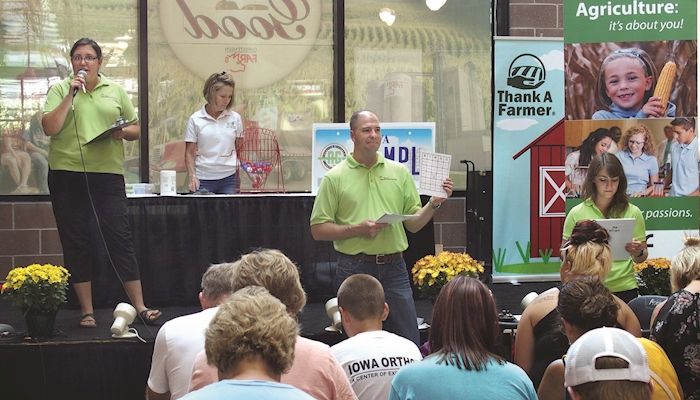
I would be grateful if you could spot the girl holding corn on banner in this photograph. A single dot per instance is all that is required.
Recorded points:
(625, 87)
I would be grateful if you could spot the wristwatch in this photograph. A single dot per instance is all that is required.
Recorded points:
(434, 205)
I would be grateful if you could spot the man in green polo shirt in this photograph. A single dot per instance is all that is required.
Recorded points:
(351, 197)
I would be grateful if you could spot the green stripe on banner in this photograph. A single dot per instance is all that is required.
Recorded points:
(532, 268)
(663, 213)
(629, 20)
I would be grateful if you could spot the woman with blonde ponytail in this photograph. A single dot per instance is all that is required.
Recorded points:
(540, 339)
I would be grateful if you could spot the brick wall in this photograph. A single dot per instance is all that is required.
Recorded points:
(537, 18)
(28, 235)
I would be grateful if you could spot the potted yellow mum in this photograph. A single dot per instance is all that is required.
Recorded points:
(39, 290)
(432, 272)
(653, 276)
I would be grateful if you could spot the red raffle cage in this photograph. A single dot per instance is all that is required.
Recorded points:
(259, 158)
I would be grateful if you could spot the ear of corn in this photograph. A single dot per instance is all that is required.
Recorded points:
(665, 83)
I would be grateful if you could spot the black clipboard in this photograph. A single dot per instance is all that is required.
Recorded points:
(108, 133)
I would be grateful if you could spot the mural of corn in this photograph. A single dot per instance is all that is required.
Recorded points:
(665, 83)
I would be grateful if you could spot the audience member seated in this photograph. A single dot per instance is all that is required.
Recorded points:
(585, 304)
(180, 339)
(37, 145)
(251, 343)
(665, 382)
(16, 160)
(370, 356)
(676, 322)
(314, 370)
(607, 364)
(464, 338)
(540, 339)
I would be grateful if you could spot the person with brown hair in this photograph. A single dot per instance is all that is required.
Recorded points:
(314, 370)
(616, 133)
(464, 339)
(576, 164)
(86, 182)
(585, 304)
(605, 197)
(607, 364)
(210, 139)
(251, 342)
(684, 174)
(180, 339)
(625, 87)
(540, 339)
(370, 356)
(676, 322)
(639, 161)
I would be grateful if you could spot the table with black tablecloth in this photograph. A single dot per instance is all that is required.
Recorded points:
(178, 237)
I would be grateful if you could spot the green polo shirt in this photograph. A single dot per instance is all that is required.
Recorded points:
(621, 275)
(95, 112)
(351, 193)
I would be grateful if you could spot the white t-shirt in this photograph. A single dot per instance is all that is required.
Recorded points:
(215, 139)
(178, 342)
(371, 359)
(572, 170)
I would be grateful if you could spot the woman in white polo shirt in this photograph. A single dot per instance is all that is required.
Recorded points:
(210, 152)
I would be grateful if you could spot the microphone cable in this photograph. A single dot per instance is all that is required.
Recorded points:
(97, 219)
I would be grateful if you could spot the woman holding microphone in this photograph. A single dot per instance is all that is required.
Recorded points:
(86, 181)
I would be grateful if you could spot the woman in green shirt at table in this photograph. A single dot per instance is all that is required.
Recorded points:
(604, 193)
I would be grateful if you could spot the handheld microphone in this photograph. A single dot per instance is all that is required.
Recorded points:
(83, 74)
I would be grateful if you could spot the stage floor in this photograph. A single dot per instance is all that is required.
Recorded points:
(313, 321)
(79, 363)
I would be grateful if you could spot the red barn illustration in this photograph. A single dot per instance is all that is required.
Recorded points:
(547, 189)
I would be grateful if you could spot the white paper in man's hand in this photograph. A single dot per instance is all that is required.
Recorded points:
(434, 169)
(393, 218)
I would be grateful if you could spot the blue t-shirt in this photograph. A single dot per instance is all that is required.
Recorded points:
(684, 164)
(247, 389)
(638, 170)
(616, 112)
(428, 380)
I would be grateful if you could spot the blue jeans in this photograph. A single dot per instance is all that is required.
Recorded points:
(228, 185)
(397, 291)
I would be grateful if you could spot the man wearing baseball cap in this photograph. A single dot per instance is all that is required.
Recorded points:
(607, 364)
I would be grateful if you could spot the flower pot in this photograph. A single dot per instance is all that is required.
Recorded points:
(40, 324)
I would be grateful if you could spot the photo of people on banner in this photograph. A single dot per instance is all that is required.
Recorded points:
(637, 100)
(660, 156)
(620, 80)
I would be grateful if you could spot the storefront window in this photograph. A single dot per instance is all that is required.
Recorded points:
(410, 64)
(426, 66)
(281, 57)
(35, 39)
